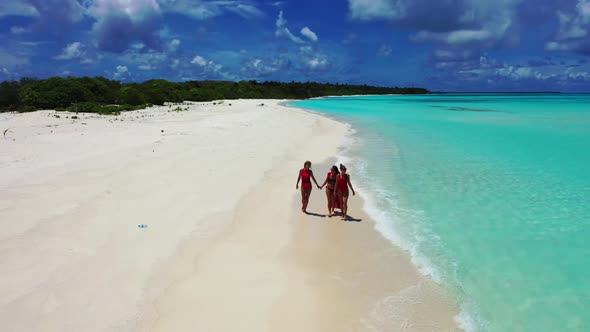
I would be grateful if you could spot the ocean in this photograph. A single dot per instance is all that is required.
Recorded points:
(489, 193)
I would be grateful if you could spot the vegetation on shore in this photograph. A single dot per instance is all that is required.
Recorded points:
(101, 95)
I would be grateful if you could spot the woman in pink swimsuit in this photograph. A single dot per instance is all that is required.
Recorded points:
(342, 184)
(305, 176)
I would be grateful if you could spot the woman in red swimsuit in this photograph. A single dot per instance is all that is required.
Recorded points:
(305, 175)
(342, 184)
(331, 186)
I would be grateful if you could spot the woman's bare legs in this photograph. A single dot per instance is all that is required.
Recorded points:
(344, 206)
(330, 197)
(305, 193)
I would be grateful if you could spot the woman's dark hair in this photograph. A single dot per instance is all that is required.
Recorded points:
(342, 166)
(335, 169)
(307, 163)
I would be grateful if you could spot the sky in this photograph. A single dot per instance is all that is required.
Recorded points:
(445, 45)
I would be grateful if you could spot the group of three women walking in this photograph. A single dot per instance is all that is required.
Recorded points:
(337, 183)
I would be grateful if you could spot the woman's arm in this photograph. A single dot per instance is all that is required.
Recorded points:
(326, 181)
(323, 184)
(298, 178)
(313, 177)
(350, 185)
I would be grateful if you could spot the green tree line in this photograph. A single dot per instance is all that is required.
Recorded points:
(98, 94)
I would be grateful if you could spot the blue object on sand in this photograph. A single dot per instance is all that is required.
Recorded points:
(142, 226)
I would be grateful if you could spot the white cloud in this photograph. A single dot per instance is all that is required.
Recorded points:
(18, 30)
(318, 63)
(208, 68)
(120, 23)
(229, 55)
(385, 50)
(306, 49)
(526, 73)
(449, 55)
(75, 51)
(462, 59)
(60, 11)
(555, 46)
(455, 37)
(281, 21)
(283, 31)
(216, 67)
(122, 72)
(579, 75)
(137, 46)
(71, 51)
(259, 67)
(174, 44)
(199, 9)
(375, 9)
(517, 73)
(178, 65)
(145, 58)
(17, 8)
(574, 30)
(460, 66)
(465, 21)
(199, 60)
(575, 25)
(309, 34)
(33, 43)
(135, 9)
(245, 10)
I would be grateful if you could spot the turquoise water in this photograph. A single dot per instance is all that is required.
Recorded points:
(489, 193)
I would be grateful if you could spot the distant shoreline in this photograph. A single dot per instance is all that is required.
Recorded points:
(501, 93)
(93, 94)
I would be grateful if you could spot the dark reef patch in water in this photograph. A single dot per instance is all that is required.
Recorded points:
(468, 109)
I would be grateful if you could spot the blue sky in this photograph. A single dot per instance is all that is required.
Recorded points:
(448, 45)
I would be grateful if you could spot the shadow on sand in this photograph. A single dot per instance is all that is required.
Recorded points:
(349, 218)
(316, 215)
(335, 216)
(352, 219)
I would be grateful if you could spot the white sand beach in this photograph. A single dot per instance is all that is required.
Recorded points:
(223, 247)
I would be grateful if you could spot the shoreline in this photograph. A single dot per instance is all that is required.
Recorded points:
(400, 257)
(220, 259)
(350, 270)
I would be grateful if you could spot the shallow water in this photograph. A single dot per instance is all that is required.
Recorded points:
(490, 194)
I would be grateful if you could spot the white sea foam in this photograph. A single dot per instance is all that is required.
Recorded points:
(468, 319)
(386, 222)
(381, 205)
(392, 311)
